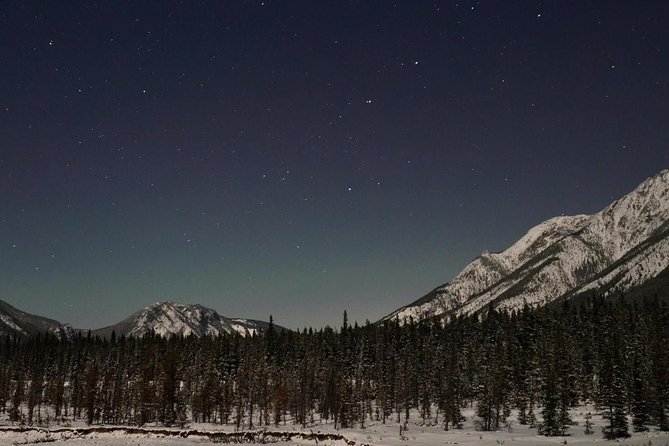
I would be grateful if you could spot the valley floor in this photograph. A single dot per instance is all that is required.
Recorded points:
(376, 434)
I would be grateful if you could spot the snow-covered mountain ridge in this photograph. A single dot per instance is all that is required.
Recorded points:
(163, 318)
(613, 251)
(171, 318)
(15, 322)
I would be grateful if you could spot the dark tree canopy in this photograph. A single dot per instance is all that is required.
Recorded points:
(537, 362)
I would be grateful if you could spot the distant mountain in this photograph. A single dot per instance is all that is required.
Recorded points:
(624, 249)
(170, 318)
(16, 323)
(164, 318)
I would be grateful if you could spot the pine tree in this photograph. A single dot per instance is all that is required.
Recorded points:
(639, 391)
(658, 316)
(551, 425)
(90, 397)
(612, 386)
(17, 399)
(588, 424)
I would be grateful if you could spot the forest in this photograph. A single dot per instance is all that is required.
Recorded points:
(532, 366)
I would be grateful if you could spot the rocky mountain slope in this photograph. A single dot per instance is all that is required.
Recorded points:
(170, 318)
(166, 319)
(15, 322)
(617, 250)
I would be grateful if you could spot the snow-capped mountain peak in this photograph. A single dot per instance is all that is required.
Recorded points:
(162, 318)
(176, 319)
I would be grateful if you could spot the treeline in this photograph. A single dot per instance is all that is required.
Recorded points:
(536, 363)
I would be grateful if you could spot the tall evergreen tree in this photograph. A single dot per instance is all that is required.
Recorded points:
(612, 386)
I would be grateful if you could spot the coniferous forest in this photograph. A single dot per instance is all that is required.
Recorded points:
(533, 365)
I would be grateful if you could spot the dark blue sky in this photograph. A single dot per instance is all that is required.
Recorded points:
(301, 158)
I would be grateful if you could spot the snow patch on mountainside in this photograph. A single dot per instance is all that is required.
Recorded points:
(645, 266)
(5, 319)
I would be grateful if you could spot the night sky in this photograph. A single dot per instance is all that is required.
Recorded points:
(306, 157)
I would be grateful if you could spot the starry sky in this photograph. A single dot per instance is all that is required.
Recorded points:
(302, 158)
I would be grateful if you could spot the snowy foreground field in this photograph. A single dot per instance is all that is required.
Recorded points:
(375, 433)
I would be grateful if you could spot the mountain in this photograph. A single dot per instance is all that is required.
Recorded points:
(170, 318)
(14, 322)
(164, 318)
(622, 249)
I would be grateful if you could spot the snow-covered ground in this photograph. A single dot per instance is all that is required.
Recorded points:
(375, 433)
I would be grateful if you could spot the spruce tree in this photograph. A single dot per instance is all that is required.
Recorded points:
(639, 391)
(612, 386)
